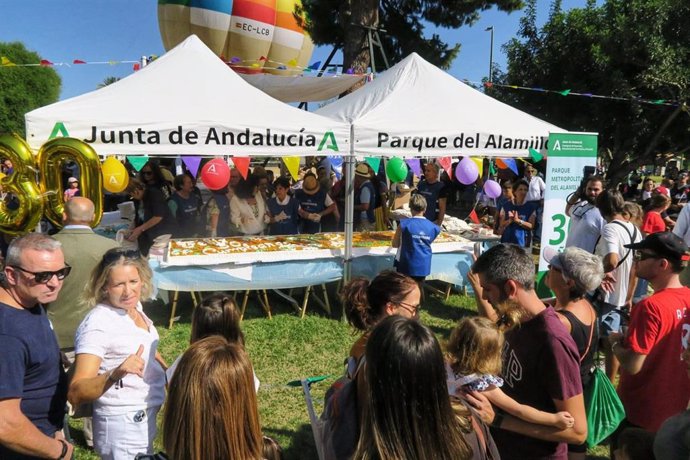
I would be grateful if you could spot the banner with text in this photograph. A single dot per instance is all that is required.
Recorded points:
(568, 156)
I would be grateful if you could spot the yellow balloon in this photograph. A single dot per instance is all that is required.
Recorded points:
(51, 157)
(480, 165)
(115, 177)
(20, 215)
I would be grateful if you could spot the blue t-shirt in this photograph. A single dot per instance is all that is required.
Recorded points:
(312, 204)
(289, 226)
(432, 193)
(31, 369)
(416, 236)
(187, 215)
(515, 233)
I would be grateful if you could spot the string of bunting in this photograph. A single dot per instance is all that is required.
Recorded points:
(236, 62)
(569, 92)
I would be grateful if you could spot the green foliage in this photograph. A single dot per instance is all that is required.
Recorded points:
(23, 89)
(625, 48)
(330, 22)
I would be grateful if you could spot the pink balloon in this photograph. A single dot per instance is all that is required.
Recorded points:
(492, 189)
(466, 171)
(215, 174)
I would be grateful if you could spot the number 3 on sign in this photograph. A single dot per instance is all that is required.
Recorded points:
(559, 227)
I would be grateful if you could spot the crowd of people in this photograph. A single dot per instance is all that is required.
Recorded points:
(509, 383)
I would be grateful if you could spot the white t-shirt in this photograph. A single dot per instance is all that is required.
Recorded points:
(110, 334)
(536, 189)
(614, 236)
(171, 371)
(586, 224)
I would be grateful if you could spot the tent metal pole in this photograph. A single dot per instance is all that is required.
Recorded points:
(349, 174)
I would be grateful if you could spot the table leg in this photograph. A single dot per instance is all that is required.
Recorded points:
(244, 304)
(173, 309)
(325, 298)
(264, 302)
(307, 292)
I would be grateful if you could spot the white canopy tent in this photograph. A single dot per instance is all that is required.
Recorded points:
(187, 102)
(416, 109)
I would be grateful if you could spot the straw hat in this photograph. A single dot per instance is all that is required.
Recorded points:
(362, 170)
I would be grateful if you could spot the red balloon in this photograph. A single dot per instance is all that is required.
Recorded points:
(215, 174)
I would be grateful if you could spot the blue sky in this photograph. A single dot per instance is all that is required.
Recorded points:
(125, 30)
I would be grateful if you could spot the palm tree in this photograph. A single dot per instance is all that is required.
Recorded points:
(108, 81)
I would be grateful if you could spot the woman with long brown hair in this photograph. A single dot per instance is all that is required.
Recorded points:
(211, 411)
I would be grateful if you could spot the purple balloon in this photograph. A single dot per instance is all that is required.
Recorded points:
(466, 171)
(492, 189)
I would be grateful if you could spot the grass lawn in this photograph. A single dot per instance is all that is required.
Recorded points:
(287, 348)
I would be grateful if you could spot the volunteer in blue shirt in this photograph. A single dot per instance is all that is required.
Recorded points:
(413, 239)
(435, 193)
(283, 210)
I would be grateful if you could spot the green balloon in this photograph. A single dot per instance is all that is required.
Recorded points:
(396, 169)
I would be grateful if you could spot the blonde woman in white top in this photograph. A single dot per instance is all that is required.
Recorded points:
(117, 366)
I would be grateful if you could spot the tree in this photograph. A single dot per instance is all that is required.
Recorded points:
(108, 81)
(343, 24)
(624, 48)
(23, 89)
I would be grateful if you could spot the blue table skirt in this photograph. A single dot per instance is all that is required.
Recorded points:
(448, 267)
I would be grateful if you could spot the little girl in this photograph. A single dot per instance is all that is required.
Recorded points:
(474, 353)
(216, 315)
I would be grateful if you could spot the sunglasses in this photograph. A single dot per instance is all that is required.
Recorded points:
(646, 255)
(411, 309)
(115, 255)
(44, 277)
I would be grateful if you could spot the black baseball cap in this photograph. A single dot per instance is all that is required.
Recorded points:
(666, 244)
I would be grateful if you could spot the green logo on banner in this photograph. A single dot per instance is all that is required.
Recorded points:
(572, 145)
(59, 128)
(332, 145)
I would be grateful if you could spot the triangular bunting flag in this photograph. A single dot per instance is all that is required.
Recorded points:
(492, 168)
(507, 163)
(375, 163)
(192, 163)
(292, 62)
(78, 61)
(336, 165)
(446, 163)
(415, 166)
(292, 165)
(137, 162)
(536, 156)
(46, 63)
(474, 217)
(6, 62)
(315, 66)
(480, 165)
(242, 165)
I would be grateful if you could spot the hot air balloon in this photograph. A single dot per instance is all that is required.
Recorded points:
(241, 31)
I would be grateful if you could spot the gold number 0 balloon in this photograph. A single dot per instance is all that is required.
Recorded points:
(24, 215)
(52, 155)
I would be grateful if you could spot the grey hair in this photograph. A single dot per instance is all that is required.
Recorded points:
(417, 203)
(584, 268)
(505, 262)
(35, 241)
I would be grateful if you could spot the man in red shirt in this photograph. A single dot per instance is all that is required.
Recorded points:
(653, 384)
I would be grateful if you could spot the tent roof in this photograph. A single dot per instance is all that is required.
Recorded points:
(414, 108)
(188, 90)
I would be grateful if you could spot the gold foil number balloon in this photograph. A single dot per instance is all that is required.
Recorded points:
(51, 158)
(22, 213)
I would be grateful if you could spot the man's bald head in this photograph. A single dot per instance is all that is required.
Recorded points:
(78, 211)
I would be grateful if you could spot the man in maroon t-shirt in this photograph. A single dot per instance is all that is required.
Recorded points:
(653, 384)
(540, 359)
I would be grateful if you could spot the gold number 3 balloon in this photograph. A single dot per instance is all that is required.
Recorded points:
(21, 213)
(51, 157)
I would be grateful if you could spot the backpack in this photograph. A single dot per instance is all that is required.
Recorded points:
(340, 419)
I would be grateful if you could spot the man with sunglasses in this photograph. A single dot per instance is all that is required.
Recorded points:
(653, 384)
(33, 384)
